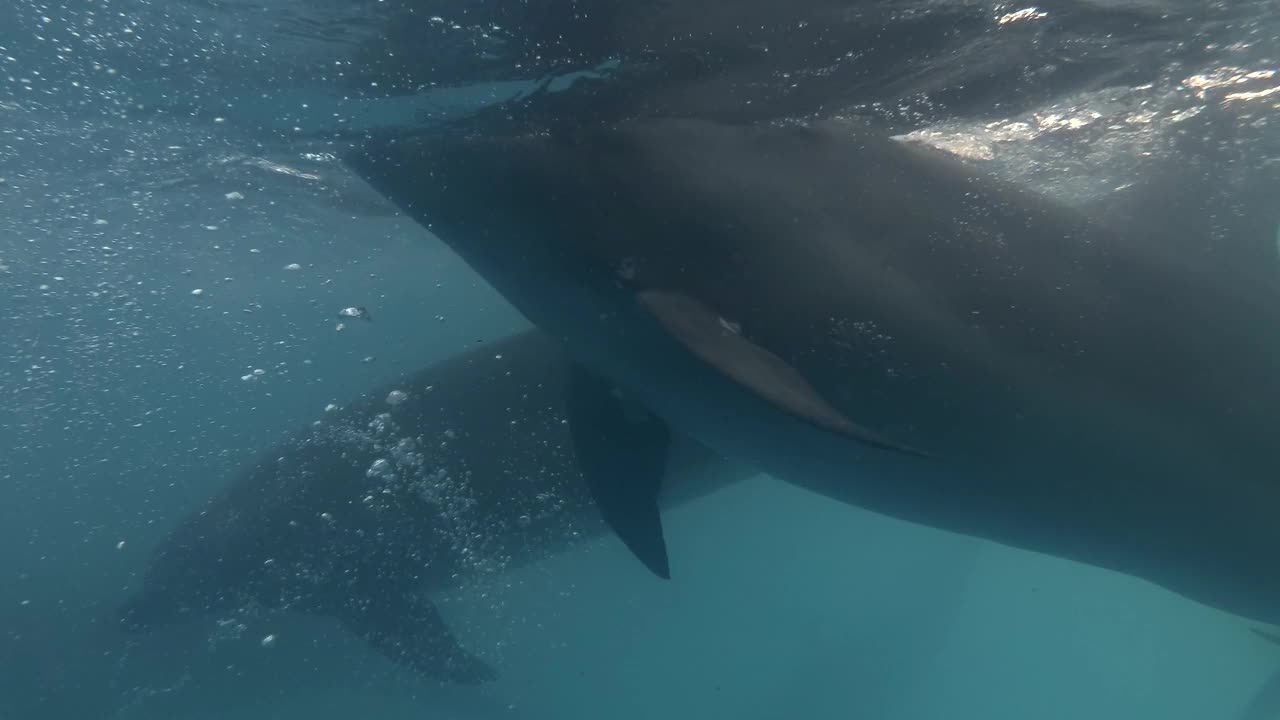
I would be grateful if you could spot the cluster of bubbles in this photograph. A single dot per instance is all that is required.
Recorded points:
(400, 467)
(403, 459)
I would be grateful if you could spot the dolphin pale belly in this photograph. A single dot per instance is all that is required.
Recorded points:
(470, 466)
(885, 325)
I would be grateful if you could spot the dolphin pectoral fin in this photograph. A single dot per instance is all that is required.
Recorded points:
(622, 459)
(408, 629)
(718, 343)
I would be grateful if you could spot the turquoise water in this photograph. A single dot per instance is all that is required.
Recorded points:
(150, 151)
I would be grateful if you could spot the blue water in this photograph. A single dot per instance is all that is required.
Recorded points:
(163, 165)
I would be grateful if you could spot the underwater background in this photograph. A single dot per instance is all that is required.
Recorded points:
(177, 239)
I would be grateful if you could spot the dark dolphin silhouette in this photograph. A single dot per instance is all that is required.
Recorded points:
(391, 497)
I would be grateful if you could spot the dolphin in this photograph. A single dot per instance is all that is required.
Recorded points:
(881, 323)
(463, 468)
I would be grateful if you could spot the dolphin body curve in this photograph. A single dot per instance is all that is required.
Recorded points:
(885, 325)
(360, 518)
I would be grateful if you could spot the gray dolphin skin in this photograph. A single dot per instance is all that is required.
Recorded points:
(360, 518)
(885, 325)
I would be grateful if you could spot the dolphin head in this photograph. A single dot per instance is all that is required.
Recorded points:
(518, 207)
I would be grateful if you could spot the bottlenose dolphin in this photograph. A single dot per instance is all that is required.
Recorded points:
(821, 300)
(464, 467)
